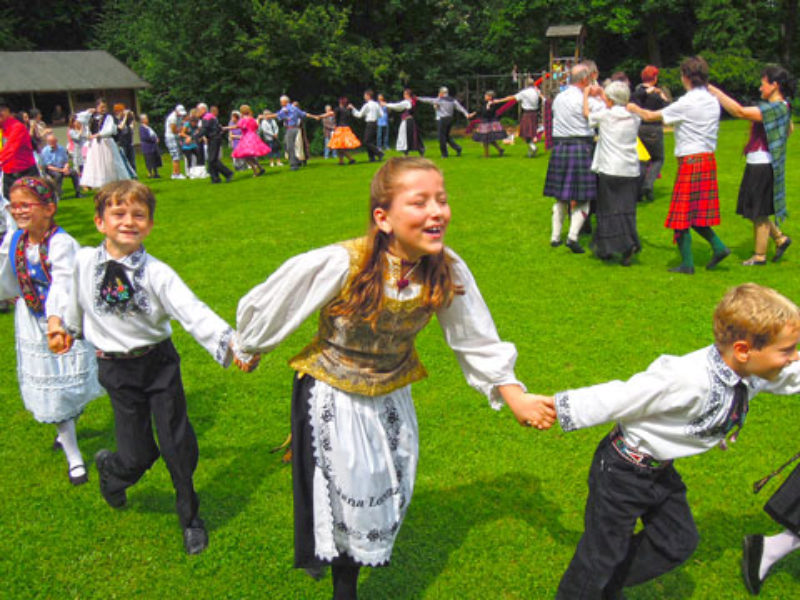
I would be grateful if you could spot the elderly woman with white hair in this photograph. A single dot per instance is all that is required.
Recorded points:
(617, 166)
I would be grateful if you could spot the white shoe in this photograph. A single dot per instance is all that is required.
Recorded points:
(179, 176)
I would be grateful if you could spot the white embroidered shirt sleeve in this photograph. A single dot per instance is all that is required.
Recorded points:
(204, 325)
(62, 251)
(469, 330)
(272, 310)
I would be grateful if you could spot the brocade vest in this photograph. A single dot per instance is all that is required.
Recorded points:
(349, 354)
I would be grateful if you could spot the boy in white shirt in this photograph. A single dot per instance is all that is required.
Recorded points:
(679, 406)
(122, 301)
(695, 197)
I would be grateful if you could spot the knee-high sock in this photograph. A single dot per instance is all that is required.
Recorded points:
(578, 217)
(775, 548)
(345, 582)
(708, 234)
(559, 214)
(685, 246)
(69, 441)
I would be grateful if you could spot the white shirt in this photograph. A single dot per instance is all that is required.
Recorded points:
(696, 119)
(399, 106)
(528, 98)
(158, 295)
(615, 153)
(271, 311)
(269, 127)
(172, 119)
(675, 408)
(370, 112)
(568, 119)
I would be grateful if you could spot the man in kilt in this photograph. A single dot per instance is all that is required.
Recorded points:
(695, 198)
(570, 180)
(528, 99)
(761, 553)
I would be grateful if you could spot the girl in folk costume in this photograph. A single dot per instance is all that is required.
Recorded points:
(763, 189)
(250, 146)
(354, 430)
(343, 138)
(408, 135)
(489, 129)
(36, 264)
(104, 162)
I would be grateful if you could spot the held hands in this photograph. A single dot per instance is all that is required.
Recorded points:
(58, 340)
(530, 410)
(249, 365)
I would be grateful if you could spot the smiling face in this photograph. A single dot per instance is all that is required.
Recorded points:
(30, 213)
(768, 361)
(125, 225)
(417, 218)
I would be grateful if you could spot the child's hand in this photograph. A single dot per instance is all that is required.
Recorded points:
(530, 410)
(544, 410)
(59, 342)
(249, 365)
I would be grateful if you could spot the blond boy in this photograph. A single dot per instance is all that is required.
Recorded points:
(679, 406)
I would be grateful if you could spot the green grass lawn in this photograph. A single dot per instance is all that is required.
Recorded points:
(498, 509)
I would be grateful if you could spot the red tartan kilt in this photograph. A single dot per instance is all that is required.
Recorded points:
(695, 197)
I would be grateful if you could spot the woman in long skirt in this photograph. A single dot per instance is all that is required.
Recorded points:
(104, 161)
(409, 136)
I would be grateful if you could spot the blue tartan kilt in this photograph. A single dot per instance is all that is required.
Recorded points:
(569, 172)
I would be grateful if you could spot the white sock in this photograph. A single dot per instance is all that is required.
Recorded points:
(559, 214)
(578, 217)
(69, 442)
(775, 548)
(532, 146)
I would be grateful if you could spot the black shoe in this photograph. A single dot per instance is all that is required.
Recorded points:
(781, 249)
(575, 247)
(682, 269)
(316, 573)
(555, 243)
(752, 551)
(718, 258)
(195, 537)
(351, 161)
(458, 153)
(78, 479)
(627, 257)
(114, 499)
(229, 178)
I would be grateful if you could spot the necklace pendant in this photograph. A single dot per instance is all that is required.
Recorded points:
(402, 283)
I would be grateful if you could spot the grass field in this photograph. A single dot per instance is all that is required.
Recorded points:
(498, 509)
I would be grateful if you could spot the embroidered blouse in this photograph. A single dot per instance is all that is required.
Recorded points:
(678, 407)
(61, 255)
(158, 294)
(346, 353)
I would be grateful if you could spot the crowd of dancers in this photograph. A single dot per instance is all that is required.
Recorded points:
(90, 321)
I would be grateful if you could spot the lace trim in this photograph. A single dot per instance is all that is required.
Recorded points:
(564, 412)
(223, 346)
(712, 422)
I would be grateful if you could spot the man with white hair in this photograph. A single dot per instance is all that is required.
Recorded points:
(570, 180)
(172, 130)
(445, 106)
(212, 131)
(55, 163)
(292, 118)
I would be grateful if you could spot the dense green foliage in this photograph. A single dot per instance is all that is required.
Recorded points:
(497, 509)
(228, 51)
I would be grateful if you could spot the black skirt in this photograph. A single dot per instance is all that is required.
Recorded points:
(755, 192)
(303, 481)
(784, 505)
(616, 215)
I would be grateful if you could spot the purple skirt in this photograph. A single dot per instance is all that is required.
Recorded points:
(569, 172)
